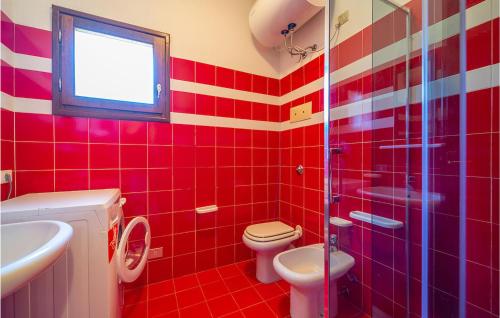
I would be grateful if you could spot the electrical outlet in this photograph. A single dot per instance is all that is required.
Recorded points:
(155, 253)
(5, 176)
(301, 112)
(343, 18)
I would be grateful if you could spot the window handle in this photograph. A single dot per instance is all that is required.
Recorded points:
(158, 90)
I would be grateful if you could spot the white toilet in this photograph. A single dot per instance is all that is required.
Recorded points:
(267, 240)
(303, 269)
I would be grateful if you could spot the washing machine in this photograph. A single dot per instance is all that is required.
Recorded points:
(103, 252)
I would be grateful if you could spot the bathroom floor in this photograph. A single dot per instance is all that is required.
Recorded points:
(226, 291)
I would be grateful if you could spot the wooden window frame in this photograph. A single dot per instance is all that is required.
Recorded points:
(64, 100)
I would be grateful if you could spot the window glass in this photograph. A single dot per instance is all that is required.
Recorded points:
(113, 68)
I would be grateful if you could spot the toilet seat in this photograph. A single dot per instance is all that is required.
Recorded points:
(268, 239)
(269, 231)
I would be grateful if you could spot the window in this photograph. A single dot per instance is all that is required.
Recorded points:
(108, 69)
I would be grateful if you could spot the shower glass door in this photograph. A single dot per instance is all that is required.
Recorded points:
(391, 144)
(369, 162)
(411, 158)
(367, 98)
(418, 158)
(456, 160)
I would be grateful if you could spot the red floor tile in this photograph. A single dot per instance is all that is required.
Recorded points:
(185, 282)
(258, 311)
(247, 297)
(229, 271)
(209, 276)
(189, 297)
(247, 267)
(230, 291)
(161, 306)
(280, 305)
(172, 314)
(237, 283)
(253, 280)
(268, 291)
(236, 314)
(222, 306)
(214, 290)
(161, 289)
(199, 310)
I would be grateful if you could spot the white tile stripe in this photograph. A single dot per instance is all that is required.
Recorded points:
(477, 79)
(7, 55)
(374, 124)
(197, 88)
(476, 15)
(27, 62)
(25, 105)
(202, 120)
(7, 102)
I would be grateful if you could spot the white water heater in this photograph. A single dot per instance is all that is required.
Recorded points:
(269, 17)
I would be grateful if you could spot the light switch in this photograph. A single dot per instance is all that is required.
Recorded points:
(301, 112)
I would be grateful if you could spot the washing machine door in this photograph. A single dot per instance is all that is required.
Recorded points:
(133, 249)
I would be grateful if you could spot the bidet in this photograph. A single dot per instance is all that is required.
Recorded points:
(303, 269)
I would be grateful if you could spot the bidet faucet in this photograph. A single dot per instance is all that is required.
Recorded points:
(333, 243)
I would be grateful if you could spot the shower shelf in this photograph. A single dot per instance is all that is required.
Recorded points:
(376, 220)
(405, 146)
(340, 222)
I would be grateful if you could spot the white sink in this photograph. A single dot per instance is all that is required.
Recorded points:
(303, 269)
(29, 248)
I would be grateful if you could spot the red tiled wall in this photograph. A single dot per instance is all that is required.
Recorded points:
(6, 116)
(301, 196)
(164, 170)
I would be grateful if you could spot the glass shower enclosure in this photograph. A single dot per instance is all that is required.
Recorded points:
(401, 163)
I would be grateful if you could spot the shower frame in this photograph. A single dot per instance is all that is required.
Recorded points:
(327, 153)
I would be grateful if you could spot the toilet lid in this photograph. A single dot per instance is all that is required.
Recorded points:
(268, 239)
(269, 230)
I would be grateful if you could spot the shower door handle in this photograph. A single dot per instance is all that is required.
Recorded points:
(334, 198)
(330, 178)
